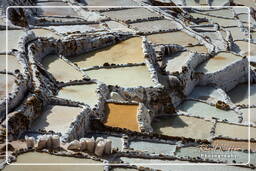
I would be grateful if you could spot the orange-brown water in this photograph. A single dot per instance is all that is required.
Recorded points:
(123, 116)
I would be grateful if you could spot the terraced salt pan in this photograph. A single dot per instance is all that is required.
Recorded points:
(13, 38)
(239, 94)
(243, 45)
(131, 14)
(44, 11)
(204, 110)
(151, 147)
(237, 33)
(234, 131)
(247, 3)
(3, 85)
(116, 26)
(61, 70)
(176, 61)
(124, 77)
(155, 26)
(116, 141)
(45, 33)
(205, 153)
(178, 37)
(13, 63)
(206, 93)
(246, 115)
(244, 18)
(226, 144)
(34, 157)
(218, 62)
(122, 116)
(123, 169)
(196, 2)
(82, 93)
(56, 118)
(188, 127)
(127, 51)
(221, 13)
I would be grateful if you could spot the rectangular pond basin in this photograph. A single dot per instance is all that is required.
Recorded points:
(13, 38)
(124, 76)
(131, 14)
(155, 26)
(3, 85)
(176, 61)
(35, 157)
(243, 48)
(204, 110)
(237, 33)
(81, 93)
(198, 49)
(207, 93)
(226, 144)
(75, 28)
(60, 69)
(183, 126)
(127, 51)
(218, 62)
(122, 116)
(56, 118)
(234, 131)
(111, 3)
(153, 147)
(177, 37)
(239, 94)
(13, 63)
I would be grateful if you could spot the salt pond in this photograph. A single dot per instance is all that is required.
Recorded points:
(13, 38)
(13, 63)
(207, 93)
(217, 62)
(176, 61)
(185, 126)
(127, 51)
(82, 93)
(124, 77)
(60, 69)
(45, 33)
(56, 118)
(3, 84)
(122, 115)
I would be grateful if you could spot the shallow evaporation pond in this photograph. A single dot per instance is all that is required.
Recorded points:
(124, 76)
(56, 118)
(237, 33)
(221, 13)
(218, 62)
(35, 157)
(239, 94)
(116, 26)
(234, 131)
(122, 116)
(207, 93)
(152, 147)
(155, 26)
(127, 51)
(123, 169)
(226, 144)
(204, 152)
(45, 33)
(195, 108)
(116, 141)
(11, 80)
(198, 49)
(60, 69)
(75, 28)
(13, 38)
(196, 2)
(176, 61)
(56, 11)
(131, 14)
(248, 3)
(246, 115)
(178, 37)
(185, 126)
(85, 93)
(243, 46)
(13, 63)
